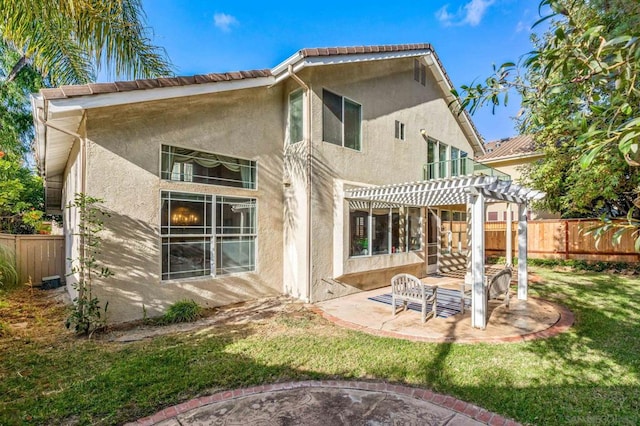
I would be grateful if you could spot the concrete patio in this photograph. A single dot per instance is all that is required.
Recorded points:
(523, 320)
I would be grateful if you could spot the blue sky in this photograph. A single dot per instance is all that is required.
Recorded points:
(203, 36)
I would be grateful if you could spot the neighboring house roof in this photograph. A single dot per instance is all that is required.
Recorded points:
(520, 146)
(62, 108)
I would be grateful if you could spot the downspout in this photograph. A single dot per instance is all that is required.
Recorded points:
(307, 140)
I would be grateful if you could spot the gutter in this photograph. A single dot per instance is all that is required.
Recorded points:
(307, 139)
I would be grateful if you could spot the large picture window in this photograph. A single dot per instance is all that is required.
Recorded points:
(193, 247)
(378, 228)
(187, 165)
(341, 121)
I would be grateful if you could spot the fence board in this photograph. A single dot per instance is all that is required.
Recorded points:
(563, 239)
(36, 256)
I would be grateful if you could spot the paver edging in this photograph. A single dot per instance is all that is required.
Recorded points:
(445, 401)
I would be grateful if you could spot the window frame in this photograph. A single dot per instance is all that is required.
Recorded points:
(213, 236)
(252, 164)
(344, 99)
(399, 130)
(302, 118)
(369, 226)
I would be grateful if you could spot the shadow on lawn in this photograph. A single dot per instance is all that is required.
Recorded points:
(606, 309)
(602, 347)
(120, 383)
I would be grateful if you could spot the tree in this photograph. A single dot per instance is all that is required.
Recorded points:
(86, 314)
(580, 92)
(68, 40)
(21, 191)
(50, 43)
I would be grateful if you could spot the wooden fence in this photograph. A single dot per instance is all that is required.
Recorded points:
(562, 239)
(36, 256)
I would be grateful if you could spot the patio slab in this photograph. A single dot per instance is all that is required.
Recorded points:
(326, 403)
(523, 320)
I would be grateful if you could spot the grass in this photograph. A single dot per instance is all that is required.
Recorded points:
(589, 375)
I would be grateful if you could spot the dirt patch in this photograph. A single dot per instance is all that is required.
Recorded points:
(258, 311)
(33, 314)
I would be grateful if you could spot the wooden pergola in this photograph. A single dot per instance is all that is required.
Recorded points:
(474, 192)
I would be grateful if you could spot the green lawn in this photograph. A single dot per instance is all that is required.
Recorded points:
(590, 375)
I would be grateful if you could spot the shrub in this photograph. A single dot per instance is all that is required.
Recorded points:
(182, 311)
(8, 273)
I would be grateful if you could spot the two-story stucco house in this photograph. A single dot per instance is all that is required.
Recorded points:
(228, 187)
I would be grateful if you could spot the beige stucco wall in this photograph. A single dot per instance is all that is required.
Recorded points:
(387, 92)
(296, 245)
(123, 161)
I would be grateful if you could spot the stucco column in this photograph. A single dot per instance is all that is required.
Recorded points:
(478, 298)
(522, 252)
(509, 248)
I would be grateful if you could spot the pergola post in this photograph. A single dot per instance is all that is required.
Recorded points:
(509, 248)
(522, 252)
(478, 297)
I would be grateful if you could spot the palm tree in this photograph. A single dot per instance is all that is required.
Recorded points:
(68, 41)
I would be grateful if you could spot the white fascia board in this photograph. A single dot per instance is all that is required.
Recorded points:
(284, 66)
(298, 62)
(37, 102)
(160, 93)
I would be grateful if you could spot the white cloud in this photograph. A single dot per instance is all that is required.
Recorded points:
(469, 14)
(475, 10)
(521, 26)
(444, 16)
(224, 21)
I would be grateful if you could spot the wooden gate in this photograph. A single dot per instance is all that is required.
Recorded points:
(36, 256)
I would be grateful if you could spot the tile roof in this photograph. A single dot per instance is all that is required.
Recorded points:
(517, 146)
(354, 50)
(63, 92)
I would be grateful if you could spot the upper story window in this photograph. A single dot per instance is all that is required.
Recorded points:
(341, 121)
(420, 72)
(445, 161)
(296, 115)
(187, 165)
(399, 130)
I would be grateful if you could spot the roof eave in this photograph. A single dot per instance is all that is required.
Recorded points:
(156, 94)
